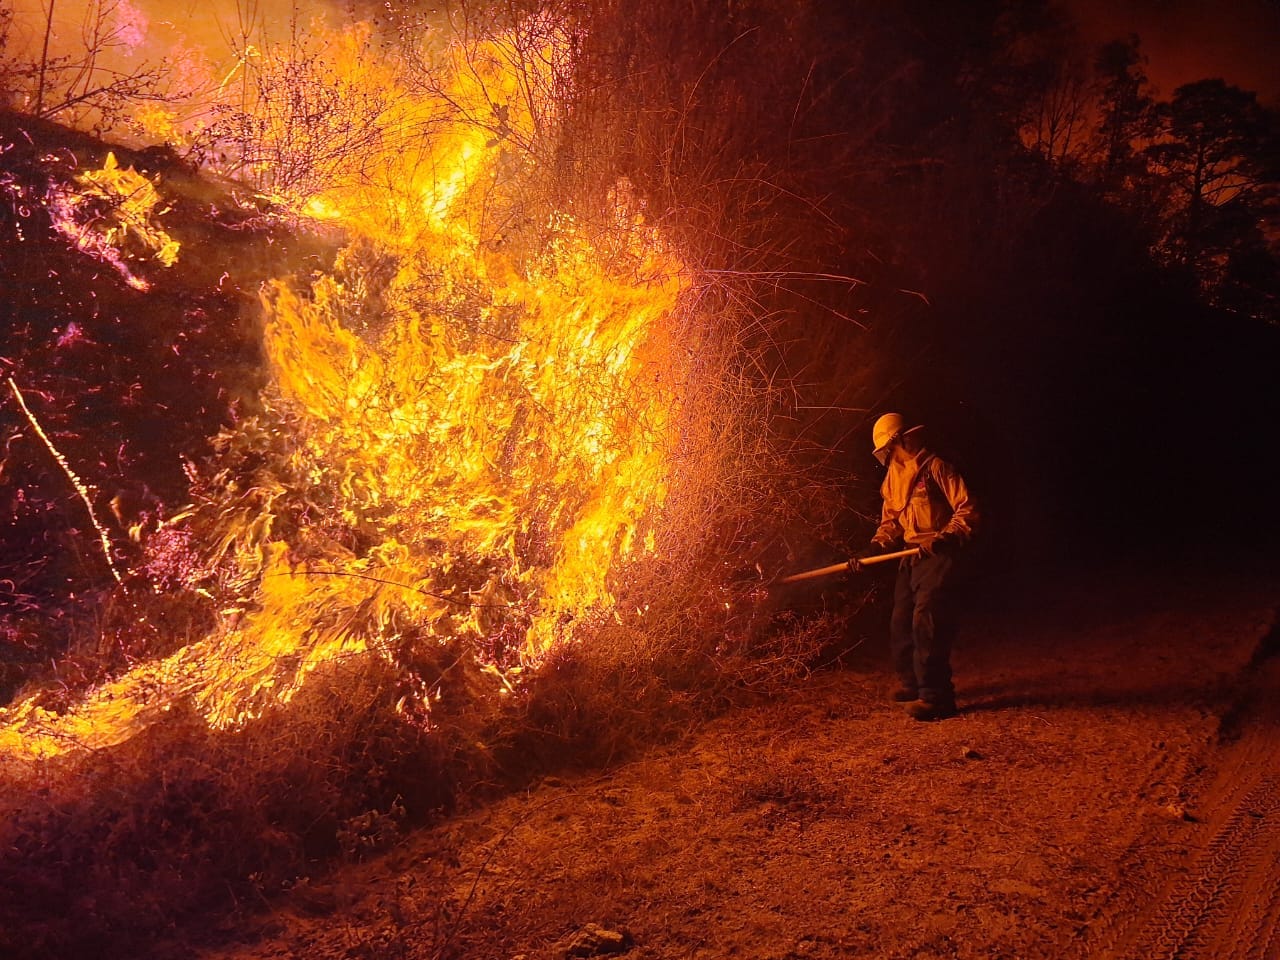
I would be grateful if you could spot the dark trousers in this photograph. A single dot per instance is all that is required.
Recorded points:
(923, 627)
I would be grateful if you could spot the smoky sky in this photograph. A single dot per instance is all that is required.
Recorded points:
(152, 28)
(1186, 40)
(198, 45)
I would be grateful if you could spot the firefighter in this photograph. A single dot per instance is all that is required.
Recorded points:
(926, 505)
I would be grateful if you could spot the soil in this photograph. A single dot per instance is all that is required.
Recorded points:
(1110, 788)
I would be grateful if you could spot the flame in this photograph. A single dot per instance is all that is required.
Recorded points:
(485, 392)
(112, 217)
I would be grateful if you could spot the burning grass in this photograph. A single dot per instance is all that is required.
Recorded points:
(477, 424)
(481, 521)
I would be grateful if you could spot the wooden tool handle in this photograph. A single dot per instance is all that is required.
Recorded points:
(841, 567)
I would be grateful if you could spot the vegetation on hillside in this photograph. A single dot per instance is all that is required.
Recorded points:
(447, 398)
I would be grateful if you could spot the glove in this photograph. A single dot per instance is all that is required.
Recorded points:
(874, 550)
(936, 547)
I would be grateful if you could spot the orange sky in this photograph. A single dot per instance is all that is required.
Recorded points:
(1185, 40)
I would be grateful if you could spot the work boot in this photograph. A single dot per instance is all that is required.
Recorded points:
(928, 710)
(905, 694)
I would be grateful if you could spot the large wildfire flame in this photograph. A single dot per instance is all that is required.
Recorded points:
(482, 400)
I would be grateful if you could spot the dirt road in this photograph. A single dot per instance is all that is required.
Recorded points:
(1110, 789)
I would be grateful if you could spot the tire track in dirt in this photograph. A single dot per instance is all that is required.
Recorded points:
(1204, 915)
(1228, 903)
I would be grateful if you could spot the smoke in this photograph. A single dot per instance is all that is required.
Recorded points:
(151, 29)
(198, 44)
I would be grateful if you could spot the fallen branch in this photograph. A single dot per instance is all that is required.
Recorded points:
(81, 487)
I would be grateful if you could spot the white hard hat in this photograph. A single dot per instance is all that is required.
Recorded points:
(886, 430)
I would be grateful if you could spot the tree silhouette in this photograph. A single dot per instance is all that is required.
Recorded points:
(1126, 110)
(1216, 156)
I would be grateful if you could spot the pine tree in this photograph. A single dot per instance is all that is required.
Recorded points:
(1216, 155)
(1127, 113)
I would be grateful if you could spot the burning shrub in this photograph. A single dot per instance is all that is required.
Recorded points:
(498, 404)
(490, 507)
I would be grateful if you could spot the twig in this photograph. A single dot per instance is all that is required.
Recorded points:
(76, 482)
(44, 63)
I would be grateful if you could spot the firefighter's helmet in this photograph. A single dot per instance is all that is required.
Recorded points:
(886, 430)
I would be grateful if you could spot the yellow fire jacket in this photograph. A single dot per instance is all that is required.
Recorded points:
(924, 499)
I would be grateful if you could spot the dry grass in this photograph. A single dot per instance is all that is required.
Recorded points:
(184, 822)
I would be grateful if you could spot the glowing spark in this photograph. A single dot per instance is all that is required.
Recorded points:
(242, 62)
(76, 482)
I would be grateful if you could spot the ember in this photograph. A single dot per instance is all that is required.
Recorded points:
(111, 215)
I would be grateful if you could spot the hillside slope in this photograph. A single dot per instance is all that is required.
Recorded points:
(1109, 788)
